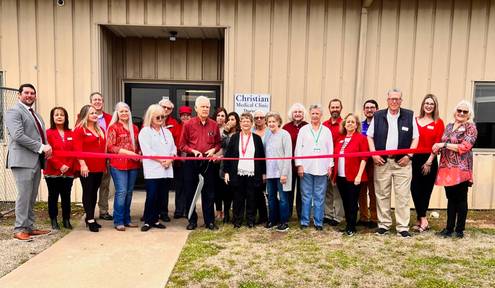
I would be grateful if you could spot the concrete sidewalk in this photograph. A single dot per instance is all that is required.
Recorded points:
(106, 259)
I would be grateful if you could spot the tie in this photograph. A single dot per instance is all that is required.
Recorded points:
(38, 125)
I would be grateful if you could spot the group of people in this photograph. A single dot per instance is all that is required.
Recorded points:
(243, 158)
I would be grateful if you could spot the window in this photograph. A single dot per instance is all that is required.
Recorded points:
(484, 105)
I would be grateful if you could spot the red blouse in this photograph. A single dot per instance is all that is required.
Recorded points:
(85, 141)
(54, 163)
(293, 131)
(120, 138)
(175, 128)
(430, 134)
(358, 143)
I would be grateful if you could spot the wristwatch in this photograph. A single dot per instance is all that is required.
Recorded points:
(409, 156)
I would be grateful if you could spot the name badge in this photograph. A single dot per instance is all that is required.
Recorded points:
(430, 127)
(89, 134)
(69, 138)
(341, 141)
(405, 128)
(462, 129)
(317, 149)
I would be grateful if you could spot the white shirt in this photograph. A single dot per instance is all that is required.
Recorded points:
(341, 167)
(314, 143)
(246, 167)
(156, 143)
(393, 130)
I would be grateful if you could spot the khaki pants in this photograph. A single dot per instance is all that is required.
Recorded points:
(104, 193)
(334, 207)
(400, 177)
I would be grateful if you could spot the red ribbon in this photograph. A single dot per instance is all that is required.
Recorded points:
(60, 153)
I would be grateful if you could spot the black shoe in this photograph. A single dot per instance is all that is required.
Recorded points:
(381, 231)
(54, 224)
(404, 234)
(459, 234)
(372, 224)
(349, 233)
(302, 227)
(212, 226)
(261, 221)
(177, 216)
(159, 225)
(97, 225)
(333, 222)
(237, 226)
(191, 226)
(318, 228)
(283, 227)
(67, 224)
(269, 225)
(106, 216)
(141, 219)
(250, 225)
(92, 226)
(145, 227)
(165, 218)
(226, 217)
(445, 233)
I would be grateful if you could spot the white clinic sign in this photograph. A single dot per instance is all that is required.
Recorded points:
(251, 102)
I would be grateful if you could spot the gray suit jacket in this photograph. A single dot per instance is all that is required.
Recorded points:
(24, 138)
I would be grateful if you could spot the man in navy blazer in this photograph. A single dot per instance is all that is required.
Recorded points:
(28, 149)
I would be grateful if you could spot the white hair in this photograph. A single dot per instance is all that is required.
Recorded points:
(166, 101)
(263, 113)
(115, 119)
(315, 106)
(296, 106)
(201, 99)
(468, 105)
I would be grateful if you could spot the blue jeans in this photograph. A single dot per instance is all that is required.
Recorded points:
(313, 188)
(277, 209)
(124, 185)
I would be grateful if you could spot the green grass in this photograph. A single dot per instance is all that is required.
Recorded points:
(265, 258)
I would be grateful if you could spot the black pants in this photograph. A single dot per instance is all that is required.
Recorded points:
(180, 195)
(260, 200)
(220, 188)
(422, 185)
(162, 198)
(155, 191)
(90, 186)
(192, 169)
(59, 186)
(457, 206)
(245, 199)
(296, 184)
(350, 198)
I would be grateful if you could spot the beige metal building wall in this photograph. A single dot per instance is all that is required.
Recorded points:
(297, 50)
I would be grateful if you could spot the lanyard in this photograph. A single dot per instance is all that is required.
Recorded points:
(244, 147)
(317, 137)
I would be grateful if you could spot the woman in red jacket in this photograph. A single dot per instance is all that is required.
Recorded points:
(89, 137)
(59, 171)
(349, 172)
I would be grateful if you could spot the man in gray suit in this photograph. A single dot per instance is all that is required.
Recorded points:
(28, 149)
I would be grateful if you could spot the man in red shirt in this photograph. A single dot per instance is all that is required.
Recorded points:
(334, 208)
(96, 99)
(200, 138)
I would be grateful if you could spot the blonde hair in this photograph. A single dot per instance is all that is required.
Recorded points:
(115, 119)
(274, 115)
(82, 120)
(342, 129)
(150, 112)
(468, 105)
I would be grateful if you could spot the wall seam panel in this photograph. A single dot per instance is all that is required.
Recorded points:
(452, 9)
(466, 57)
(324, 52)
(378, 46)
(485, 41)
(36, 19)
(270, 63)
(396, 50)
(200, 13)
(306, 51)
(73, 8)
(253, 42)
(18, 42)
(289, 45)
(413, 53)
(342, 48)
(55, 54)
(432, 44)
(164, 12)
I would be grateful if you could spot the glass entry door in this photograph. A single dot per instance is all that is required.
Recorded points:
(139, 96)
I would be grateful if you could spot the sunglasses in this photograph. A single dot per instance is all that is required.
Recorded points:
(460, 111)
(167, 108)
(161, 117)
(259, 117)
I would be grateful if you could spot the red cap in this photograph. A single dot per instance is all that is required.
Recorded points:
(185, 110)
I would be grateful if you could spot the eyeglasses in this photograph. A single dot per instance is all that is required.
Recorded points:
(394, 99)
(161, 117)
(460, 111)
(167, 108)
(259, 117)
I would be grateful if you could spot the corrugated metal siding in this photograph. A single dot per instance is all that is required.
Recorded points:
(297, 50)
